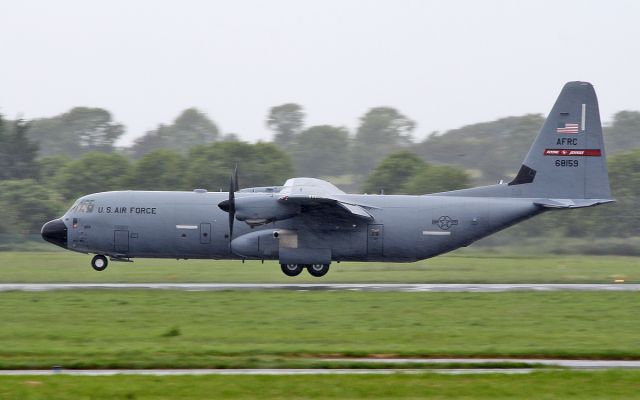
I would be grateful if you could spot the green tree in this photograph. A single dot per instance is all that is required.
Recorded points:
(161, 169)
(436, 178)
(230, 137)
(94, 172)
(17, 151)
(321, 151)
(391, 175)
(624, 174)
(619, 219)
(286, 121)
(623, 133)
(382, 130)
(26, 205)
(260, 164)
(50, 166)
(494, 149)
(191, 128)
(79, 131)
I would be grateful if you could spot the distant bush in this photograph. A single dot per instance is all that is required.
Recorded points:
(562, 245)
(173, 332)
(610, 246)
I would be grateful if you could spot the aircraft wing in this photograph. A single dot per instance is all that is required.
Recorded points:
(313, 202)
(313, 194)
(309, 186)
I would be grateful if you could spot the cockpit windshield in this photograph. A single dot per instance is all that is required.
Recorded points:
(84, 206)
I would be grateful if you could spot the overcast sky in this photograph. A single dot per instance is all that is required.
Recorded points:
(442, 63)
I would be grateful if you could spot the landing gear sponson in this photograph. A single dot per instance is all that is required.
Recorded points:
(316, 270)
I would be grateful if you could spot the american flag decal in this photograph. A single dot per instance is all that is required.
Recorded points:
(568, 128)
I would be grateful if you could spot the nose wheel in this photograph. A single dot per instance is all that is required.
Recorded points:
(99, 262)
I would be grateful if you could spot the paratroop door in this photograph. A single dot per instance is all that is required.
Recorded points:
(121, 241)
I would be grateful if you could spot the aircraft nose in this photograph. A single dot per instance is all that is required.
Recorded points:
(55, 232)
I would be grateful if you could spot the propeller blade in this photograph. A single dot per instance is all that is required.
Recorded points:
(236, 185)
(231, 206)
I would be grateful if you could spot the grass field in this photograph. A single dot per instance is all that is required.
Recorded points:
(468, 266)
(290, 329)
(540, 385)
(156, 328)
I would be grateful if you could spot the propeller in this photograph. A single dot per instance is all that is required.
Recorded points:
(230, 204)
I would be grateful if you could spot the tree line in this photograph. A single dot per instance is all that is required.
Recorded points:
(489, 150)
(322, 150)
(46, 163)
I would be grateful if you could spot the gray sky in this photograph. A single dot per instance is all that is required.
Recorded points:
(442, 63)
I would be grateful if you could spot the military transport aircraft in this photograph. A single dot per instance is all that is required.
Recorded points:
(308, 223)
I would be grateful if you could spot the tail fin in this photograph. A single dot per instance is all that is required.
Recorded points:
(567, 159)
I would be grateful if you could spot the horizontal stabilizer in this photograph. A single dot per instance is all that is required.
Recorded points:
(571, 203)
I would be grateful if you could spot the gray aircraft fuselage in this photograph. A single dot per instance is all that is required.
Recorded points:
(190, 225)
(308, 223)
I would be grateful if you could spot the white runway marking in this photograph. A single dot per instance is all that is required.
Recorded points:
(369, 287)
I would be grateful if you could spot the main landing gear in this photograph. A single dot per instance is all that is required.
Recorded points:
(99, 262)
(316, 270)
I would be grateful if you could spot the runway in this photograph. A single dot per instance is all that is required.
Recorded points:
(268, 371)
(562, 363)
(365, 287)
(471, 363)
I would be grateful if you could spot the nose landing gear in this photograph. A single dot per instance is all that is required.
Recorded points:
(99, 262)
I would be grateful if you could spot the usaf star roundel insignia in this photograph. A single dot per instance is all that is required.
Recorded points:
(445, 222)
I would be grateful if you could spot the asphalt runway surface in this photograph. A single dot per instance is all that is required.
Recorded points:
(309, 371)
(365, 287)
(583, 365)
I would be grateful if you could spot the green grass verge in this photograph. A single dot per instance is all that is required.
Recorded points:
(461, 267)
(173, 329)
(540, 385)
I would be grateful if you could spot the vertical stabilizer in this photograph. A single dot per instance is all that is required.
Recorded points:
(567, 159)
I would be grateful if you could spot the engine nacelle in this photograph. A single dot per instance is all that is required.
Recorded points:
(264, 244)
(259, 210)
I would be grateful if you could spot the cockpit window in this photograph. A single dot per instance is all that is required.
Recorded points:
(85, 206)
